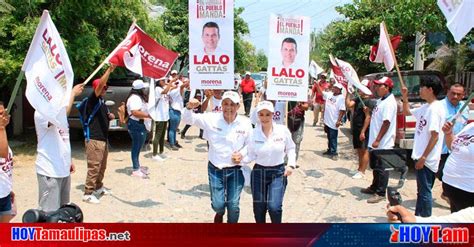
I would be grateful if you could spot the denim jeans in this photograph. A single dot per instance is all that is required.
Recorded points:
(226, 185)
(381, 176)
(332, 140)
(175, 118)
(138, 134)
(268, 188)
(424, 183)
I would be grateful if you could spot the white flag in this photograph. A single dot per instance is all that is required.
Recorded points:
(384, 53)
(152, 104)
(352, 77)
(48, 72)
(458, 16)
(315, 69)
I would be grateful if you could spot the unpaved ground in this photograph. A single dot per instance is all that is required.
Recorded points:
(321, 190)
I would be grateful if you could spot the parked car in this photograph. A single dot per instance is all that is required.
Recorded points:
(258, 78)
(119, 86)
(406, 125)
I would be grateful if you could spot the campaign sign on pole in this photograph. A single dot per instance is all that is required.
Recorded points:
(48, 72)
(211, 44)
(288, 58)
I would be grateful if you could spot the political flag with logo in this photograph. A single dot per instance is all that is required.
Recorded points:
(49, 73)
(347, 76)
(143, 55)
(458, 16)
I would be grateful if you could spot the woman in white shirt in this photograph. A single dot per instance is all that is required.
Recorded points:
(137, 111)
(269, 143)
(458, 173)
(162, 103)
(176, 106)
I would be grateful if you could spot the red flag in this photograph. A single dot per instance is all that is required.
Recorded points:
(380, 52)
(338, 72)
(143, 55)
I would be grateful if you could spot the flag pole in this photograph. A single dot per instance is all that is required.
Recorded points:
(106, 60)
(15, 91)
(459, 113)
(355, 90)
(393, 55)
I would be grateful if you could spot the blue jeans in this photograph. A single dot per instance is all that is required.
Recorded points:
(424, 182)
(138, 134)
(268, 188)
(226, 185)
(332, 140)
(175, 118)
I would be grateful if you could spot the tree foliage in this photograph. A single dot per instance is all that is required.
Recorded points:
(350, 38)
(90, 30)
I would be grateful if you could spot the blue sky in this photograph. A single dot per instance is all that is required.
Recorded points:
(257, 14)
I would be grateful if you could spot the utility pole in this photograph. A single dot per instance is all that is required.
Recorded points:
(418, 60)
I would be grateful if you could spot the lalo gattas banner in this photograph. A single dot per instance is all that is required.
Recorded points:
(288, 58)
(211, 44)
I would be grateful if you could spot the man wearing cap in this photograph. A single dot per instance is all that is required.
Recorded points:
(228, 135)
(97, 145)
(334, 110)
(427, 142)
(317, 97)
(247, 87)
(381, 136)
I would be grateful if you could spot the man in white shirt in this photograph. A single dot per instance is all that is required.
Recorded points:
(335, 108)
(53, 161)
(381, 136)
(228, 135)
(427, 142)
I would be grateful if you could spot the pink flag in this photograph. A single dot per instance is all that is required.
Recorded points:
(143, 55)
(381, 52)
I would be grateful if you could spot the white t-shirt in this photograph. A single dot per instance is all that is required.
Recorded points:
(271, 151)
(278, 115)
(176, 99)
(459, 169)
(384, 110)
(135, 103)
(163, 106)
(224, 138)
(216, 104)
(54, 150)
(429, 117)
(332, 107)
(6, 178)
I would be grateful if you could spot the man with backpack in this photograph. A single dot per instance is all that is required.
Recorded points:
(96, 118)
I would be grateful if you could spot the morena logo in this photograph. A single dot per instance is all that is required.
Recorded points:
(288, 94)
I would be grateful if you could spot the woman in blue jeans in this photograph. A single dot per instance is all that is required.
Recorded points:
(138, 114)
(268, 146)
(176, 106)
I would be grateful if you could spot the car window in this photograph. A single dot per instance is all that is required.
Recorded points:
(256, 76)
(413, 84)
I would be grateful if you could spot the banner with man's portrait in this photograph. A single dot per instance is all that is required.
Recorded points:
(288, 58)
(211, 44)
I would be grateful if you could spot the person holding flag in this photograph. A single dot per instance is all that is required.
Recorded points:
(97, 143)
(7, 196)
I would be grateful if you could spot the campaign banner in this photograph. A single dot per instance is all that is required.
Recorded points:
(288, 58)
(143, 55)
(48, 73)
(211, 44)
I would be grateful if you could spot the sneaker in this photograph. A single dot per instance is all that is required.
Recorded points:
(358, 175)
(178, 145)
(376, 199)
(163, 156)
(182, 136)
(157, 158)
(174, 148)
(353, 172)
(145, 170)
(327, 153)
(103, 191)
(90, 199)
(368, 191)
(218, 218)
(139, 174)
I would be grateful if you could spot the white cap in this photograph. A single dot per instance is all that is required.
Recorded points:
(339, 85)
(365, 82)
(138, 84)
(247, 73)
(265, 105)
(232, 96)
(174, 72)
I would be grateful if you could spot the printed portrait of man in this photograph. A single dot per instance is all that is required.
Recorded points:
(210, 37)
(288, 51)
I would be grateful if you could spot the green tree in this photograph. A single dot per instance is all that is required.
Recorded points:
(90, 30)
(350, 38)
(262, 60)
